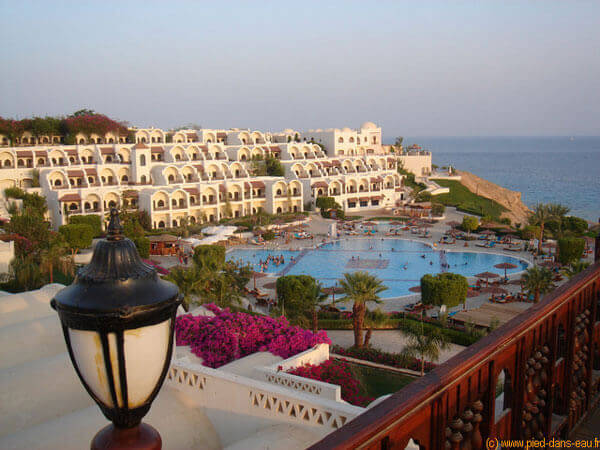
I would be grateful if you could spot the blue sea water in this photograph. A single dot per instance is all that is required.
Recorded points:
(400, 263)
(544, 169)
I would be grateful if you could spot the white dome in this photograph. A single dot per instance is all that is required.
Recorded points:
(288, 130)
(318, 130)
(347, 130)
(368, 126)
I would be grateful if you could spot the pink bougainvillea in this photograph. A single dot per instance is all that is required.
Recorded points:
(335, 372)
(229, 335)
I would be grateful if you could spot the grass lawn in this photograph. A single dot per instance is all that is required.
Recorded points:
(466, 201)
(377, 382)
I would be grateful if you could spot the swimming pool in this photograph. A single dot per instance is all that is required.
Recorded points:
(400, 263)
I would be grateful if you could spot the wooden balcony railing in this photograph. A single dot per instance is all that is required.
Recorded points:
(547, 360)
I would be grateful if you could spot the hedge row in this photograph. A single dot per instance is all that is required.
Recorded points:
(455, 336)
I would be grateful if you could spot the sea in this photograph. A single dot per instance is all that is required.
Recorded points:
(562, 169)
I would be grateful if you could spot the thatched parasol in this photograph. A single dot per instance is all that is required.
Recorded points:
(369, 224)
(487, 276)
(415, 289)
(493, 290)
(453, 223)
(487, 232)
(396, 223)
(270, 285)
(505, 266)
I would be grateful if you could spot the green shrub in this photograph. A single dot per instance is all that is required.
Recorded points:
(210, 257)
(92, 220)
(448, 289)
(570, 249)
(14, 192)
(470, 223)
(326, 204)
(293, 292)
(437, 209)
(575, 225)
(465, 200)
(77, 236)
(268, 235)
(142, 244)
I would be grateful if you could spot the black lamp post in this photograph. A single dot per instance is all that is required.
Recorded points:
(118, 320)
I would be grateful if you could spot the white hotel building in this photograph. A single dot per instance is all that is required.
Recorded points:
(205, 175)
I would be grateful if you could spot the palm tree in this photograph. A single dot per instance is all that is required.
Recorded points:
(361, 287)
(558, 212)
(537, 280)
(541, 215)
(52, 257)
(188, 280)
(315, 296)
(423, 344)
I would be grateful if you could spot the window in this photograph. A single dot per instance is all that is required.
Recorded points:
(142, 160)
(503, 393)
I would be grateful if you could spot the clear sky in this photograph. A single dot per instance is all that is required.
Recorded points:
(415, 68)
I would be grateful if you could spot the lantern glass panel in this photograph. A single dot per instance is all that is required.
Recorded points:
(145, 352)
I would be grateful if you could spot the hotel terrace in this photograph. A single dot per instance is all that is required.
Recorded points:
(203, 176)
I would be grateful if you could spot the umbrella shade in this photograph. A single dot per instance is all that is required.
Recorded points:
(369, 224)
(512, 236)
(516, 282)
(487, 275)
(493, 290)
(505, 266)
(425, 225)
(488, 232)
(395, 222)
(270, 285)
(549, 244)
(453, 223)
(304, 225)
(259, 274)
(415, 289)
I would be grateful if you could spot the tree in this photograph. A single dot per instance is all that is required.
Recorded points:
(299, 294)
(209, 257)
(437, 209)
(77, 236)
(52, 256)
(537, 281)
(570, 249)
(360, 288)
(274, 167)
(398, 142)
(470, 224)
(188, 280)
(423, 343)
(93, 220)
(530, 232)
(447, 288)
(558, 213)
(542, 214)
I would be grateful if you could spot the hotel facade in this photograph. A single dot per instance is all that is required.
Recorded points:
(206, 175)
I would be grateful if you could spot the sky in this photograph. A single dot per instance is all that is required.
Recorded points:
(425, 68)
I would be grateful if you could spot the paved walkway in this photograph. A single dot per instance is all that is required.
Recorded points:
(392, 341)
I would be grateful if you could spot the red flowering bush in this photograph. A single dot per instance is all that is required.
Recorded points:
(335, 372)
(228, 336)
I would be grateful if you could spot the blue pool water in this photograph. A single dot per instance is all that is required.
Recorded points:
(327, 264)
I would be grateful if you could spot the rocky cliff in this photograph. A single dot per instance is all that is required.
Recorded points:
(511, 200)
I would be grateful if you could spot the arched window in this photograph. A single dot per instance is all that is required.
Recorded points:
(81, 141)
(124, 179)
(109, 159)
(7, 163)
(58, 182)
(171, 178)
(278, 191)
(279, 210)
(173, 202)
(160, 204)
(174, 222)
(161, 224)
(177, 157)
(341, 140)
(143, 178)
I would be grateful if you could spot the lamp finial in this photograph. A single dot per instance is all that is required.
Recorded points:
(115, 229)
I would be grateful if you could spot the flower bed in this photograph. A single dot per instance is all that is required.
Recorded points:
(230, 335)
(377, 356)
(335, 372)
